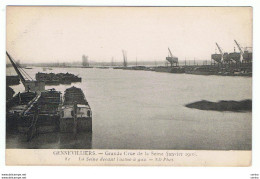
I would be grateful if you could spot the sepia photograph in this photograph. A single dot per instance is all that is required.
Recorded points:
(129, 78)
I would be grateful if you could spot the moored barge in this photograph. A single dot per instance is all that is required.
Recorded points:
(56, 79)
(43, 115)
(76, 115)
(12, 80)
(34, 113)
(16, 106)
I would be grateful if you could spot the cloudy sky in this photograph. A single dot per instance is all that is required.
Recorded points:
(63, 34)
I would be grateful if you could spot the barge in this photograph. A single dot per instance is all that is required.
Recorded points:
(34, 113)
(12, 80)
(9, 93)
(44, 114)
(41, 114)
(76, 115)
(56, 79)
(16, 106)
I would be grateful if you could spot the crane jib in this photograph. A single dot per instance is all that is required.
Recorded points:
(15, 67)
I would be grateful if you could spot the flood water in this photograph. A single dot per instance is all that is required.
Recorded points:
(146, 110)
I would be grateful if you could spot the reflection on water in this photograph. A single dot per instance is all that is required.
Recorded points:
(146, 110)
(51, 141)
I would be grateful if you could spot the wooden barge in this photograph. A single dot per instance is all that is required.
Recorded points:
(43, 115)
(12, 80)
(34, 113)
(16, 106)
(76, 115)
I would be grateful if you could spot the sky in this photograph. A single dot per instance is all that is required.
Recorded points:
(64, 34)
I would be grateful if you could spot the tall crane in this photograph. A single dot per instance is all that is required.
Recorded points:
(219, 49)
(240, 49)
(216, 56)
(16, 69)
(170, 52)
(172, 59)
(224, 56)
(28, 82)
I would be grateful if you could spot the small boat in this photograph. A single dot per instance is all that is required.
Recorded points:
(103, 67)
(76, 115)
(87, 67)
(29, 68)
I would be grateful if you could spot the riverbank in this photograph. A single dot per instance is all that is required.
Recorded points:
(233, 70)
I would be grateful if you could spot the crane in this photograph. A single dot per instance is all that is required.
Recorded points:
(172, 59)
(240, 49)
(224, 56)
(28, 82)
(16, 69)
(170, 52)
(219, 49)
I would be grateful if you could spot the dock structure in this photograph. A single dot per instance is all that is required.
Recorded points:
(238, 58)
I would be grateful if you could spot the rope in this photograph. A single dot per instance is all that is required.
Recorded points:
(24, 72)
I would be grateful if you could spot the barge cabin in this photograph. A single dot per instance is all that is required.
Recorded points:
(76, 115)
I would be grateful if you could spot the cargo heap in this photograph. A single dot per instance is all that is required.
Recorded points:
(56, 79)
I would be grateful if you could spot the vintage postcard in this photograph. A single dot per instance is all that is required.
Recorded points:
(137, 86)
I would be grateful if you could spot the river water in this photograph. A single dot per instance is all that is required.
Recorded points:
(146, 110)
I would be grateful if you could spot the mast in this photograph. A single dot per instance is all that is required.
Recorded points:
(112, 61)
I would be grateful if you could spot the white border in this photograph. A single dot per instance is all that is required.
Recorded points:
(130, 172)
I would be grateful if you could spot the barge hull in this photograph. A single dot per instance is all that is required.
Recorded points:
(83, 124)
